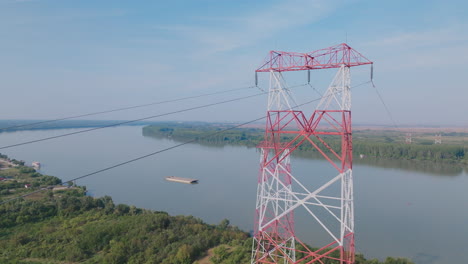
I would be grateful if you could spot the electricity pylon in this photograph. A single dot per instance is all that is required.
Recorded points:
(280, 191)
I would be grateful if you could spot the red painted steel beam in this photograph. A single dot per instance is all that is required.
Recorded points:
(332, 57)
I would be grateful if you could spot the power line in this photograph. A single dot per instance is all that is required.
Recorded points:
(140, 119)
(164, 150)
(385, 105)
(131, 121)
(136, 159)
(122, 109)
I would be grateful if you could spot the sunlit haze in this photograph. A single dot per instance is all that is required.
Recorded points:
(61, 58)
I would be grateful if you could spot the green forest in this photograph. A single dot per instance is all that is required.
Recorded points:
(375, 144)
(67, 226)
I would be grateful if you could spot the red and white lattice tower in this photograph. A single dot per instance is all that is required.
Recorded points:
(408, 138)
(275, 240)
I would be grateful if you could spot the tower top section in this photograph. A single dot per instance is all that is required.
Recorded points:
(331, 57)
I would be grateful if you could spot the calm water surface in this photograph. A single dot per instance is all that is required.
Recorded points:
(401, 209)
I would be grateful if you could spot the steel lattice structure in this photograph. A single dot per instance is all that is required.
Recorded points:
(408, 138)
(275, 240)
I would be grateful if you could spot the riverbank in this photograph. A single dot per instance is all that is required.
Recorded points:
(6, 163)
(383, 144)
(68, 226)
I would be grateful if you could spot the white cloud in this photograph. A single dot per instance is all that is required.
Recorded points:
(435, 48)
(242, 31)
(410, 40)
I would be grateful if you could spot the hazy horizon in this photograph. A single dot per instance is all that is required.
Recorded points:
(63, 58)
(355, 124)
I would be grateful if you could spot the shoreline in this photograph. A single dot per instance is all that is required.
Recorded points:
(72, 205)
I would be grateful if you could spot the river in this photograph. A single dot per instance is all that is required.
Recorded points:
(401, 208)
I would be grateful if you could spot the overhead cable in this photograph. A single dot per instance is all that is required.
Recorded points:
(162, 150)
(121, 109)
(384, 104)
(131, 121)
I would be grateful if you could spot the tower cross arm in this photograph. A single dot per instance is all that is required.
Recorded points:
(331, 57)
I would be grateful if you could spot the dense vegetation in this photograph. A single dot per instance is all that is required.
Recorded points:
(72, 229)
(65, 226)
(82, 229)
(382, 145)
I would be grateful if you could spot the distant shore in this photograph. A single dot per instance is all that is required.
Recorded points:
(380, 144)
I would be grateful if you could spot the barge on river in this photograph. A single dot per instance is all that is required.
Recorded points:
(181, 180)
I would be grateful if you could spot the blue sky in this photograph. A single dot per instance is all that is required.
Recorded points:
(60, 58)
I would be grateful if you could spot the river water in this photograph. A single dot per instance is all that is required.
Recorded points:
(414, 210)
